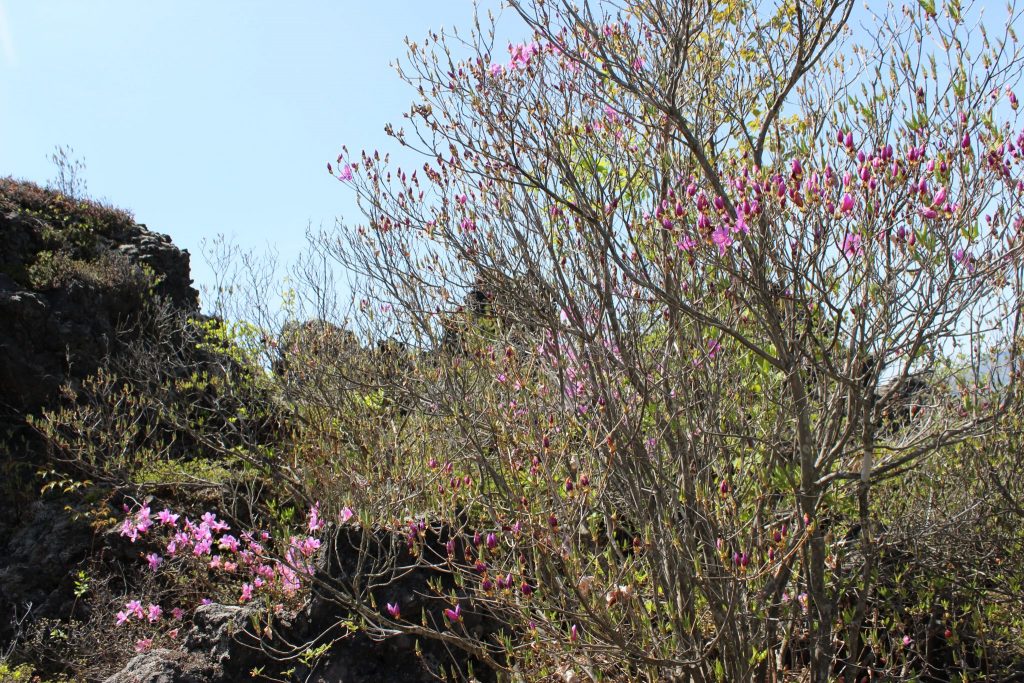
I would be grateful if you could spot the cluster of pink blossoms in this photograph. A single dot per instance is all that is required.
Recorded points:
(209, 542)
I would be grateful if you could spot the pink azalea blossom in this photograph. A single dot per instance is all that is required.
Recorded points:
(852, 245)
(153, 613)
(246, 592)
(134, 607)
(345, 173)
(178, 613)
(154, 561)
(345, 514)
(315, 521)
(122, 617)
(167, 518)
(143, 645)
(722, 239)
(229, 543)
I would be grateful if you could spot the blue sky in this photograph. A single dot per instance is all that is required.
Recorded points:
(208, 117)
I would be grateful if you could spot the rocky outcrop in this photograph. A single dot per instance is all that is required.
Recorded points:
(73, 274)
(76, 278)
(163, 666)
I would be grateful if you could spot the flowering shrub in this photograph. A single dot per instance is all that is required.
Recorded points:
(733, 256)
(206, 546)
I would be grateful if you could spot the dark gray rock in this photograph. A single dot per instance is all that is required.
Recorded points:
(36, 560)
(163, 666)
(220, 636)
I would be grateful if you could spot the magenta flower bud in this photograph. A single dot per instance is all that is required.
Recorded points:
(839, 137)
(719, 203)
(744, 560)
(939, 197)
(394, 610)
(553, 522)
(723, 487)
(574, 634)
(584, 481)
(487, 585)
(847, 204)
(796, 169)
(849, 140)
(477, 538)
(450, 547)
(526, 589)
(454, 615)
(480, 566)
(568, 485)
(965, 143)
(492, 541)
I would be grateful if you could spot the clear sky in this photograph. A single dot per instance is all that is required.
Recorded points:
(208, 116)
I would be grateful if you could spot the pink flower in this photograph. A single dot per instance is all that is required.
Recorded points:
(143, 645)
(852, 245)
(345, 173)
(496, 69)
(212, 524)
(345, 514)
(229, 543)
(134, 607)
(394, 610)
(246, 592)
(638, 64)
(722, 239)
(574, 634)
(177, 613)
(846, 205)
(129, 529)
(454, 615)
(713, 348)
(154, 561)
(927, 212)
(153, 613)
(167, 518)
(315, 522)
(122, 617)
